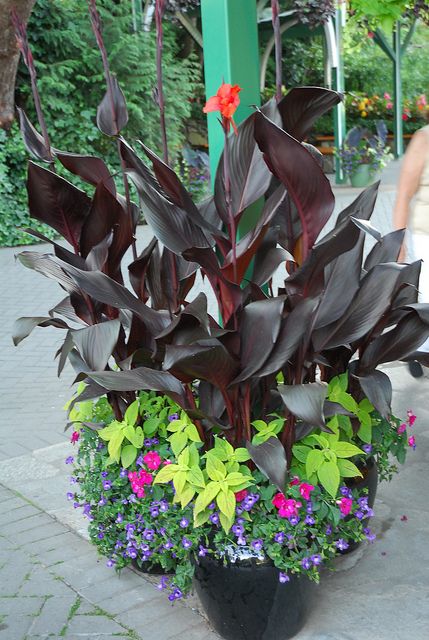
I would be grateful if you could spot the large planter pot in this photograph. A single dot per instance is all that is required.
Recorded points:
(244, 599)
(361, 176)
(370, 482)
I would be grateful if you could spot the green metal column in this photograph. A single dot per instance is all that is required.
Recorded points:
(338, 85)
(398, 129)
(231, 54)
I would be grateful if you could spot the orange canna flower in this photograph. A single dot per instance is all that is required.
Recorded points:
(226, 101)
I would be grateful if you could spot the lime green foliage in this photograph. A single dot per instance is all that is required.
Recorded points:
(71, 83)
(219, 480)
(379, 13)
(267, 430)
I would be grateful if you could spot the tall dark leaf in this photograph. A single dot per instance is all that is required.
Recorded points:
(363, 206)
(25, 325)
(96, 343)
(112, 114)
(386, 250)
(203, 360)
(104, 213)
(305, 181)
(377, 387)
(270, 458)
(306, 401)
(90, 168)
(56, 202)
(301, 107)
(34, 142)
(138, 269)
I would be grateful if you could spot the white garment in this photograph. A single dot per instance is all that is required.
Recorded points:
(421, 251)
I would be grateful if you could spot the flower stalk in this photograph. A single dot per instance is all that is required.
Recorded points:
(278, 47)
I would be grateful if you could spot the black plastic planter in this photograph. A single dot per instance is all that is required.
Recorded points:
(244, 600)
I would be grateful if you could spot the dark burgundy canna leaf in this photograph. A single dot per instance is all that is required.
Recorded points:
(90, 168)
(142, 378)
(104, 214)
(112, 114)
(386, 250)
(34, 142)
(407, 285)
(301, 106)
(259, 328)
(270, 458)
(377, 387)
(293, 330)
(60, 251)
(369, 304)
(306, 401)
(63, 352)
(65, 309)
(204, 360)
(25, 325)
(96, 343)
(97, 257)
(138, 269)
(363, 206)
(56, 202)
(305, 181)
(47, 265)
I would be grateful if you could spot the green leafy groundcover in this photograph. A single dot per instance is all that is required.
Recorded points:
(136, 513)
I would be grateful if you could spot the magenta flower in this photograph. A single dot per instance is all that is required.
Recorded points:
(412, 442)
(402, 427)
(289, 508)
(75, 437)
(240, 495)
(345, 505)
(305, 490)
(411, 417)
(152, 460)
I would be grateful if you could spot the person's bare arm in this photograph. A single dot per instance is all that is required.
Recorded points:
(411, 171)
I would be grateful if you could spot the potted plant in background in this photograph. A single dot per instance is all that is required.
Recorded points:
(270, 410)
(364, 154)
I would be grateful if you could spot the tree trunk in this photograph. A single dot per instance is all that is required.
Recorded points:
(9, 56)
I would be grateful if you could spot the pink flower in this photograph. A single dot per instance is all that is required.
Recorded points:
(411, 417)
(405, 116)
(145, 477)
(75, 436)
(152, 460)
(412, 442)
(345, 505)
(389, 105)
(305, 490)
(289, 508)
(295, 480)
(370, 34)
(278, 500)
(387, 96)
(240, 495)
(402, 427)
(166, 462)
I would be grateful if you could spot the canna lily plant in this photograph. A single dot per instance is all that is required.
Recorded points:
(252, 384)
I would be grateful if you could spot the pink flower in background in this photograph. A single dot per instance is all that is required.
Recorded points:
(389, 105)
(294, 481)
(278, 500)
(305, 490)
(240, 495)
(387, 96)
(289, 508)
(402, 427)
(75, 437)
(411, 417)
(412, 442)
(345, 505)
(152, 460)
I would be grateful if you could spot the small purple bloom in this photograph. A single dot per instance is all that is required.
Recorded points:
(173, 416)
(369, 513)
(70, 496)
(110, 562)
(306, 563)
(309, 507)
(168, 545)
(104, 474)
(294, 520)
(163, 583)
(132, 552)
(202, 551)
(367, 448)
(149, 534)
(316, 559)
(211, 506)
(345, 491)
(163, 507)
(241, 541)
(341, 544)
(369, 535)
(130, 527)
(257, 544)
(107, 485)
(328, 530)
(76, 505)
(139, 461)
(123, 473)
(183, 523)
(283, 577)
(100, 536)
(119, 518)
(309, 520)
(144, 547)
(214, 518)
(73, 480)
(237, 529)
(147, 442)
(363, 502)
(154, 512)
(69, 460)
(359, 514)
(186, 544)
(154, 441)
(86, 509)
(102, 501)
(279, 537)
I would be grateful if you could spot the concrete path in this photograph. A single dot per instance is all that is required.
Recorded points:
(52, 585)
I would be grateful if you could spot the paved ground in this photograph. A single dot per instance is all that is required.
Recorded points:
(53, 585)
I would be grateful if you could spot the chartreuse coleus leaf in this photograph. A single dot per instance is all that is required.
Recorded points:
(183, 431)
(266, 430)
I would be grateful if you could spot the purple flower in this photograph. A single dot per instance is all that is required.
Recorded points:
(363, 502)
(367, 448)
(345, 491)
(359, 514)
(163, 583)
(104, 474)
(119, 518)
(183, 523)
(107, 485)
(118, 545)
(110, 562)
(86, 509)
(237, 529)
(186, 544)
(69, 460)
(283, 577)
(175, 595)
(294, 520)
(328, 530)
(132, 552)
(147, 442)
(202, 551)
(154, 512)
(130, 527)
(257, 544)
(306, 563)
(309, 520)
(212, 506)
(139, 461)
(316, 559)
(241, 541)
(144, 547)
(163, 506)
(168, 545)
(76, 505)
(123, 473)
(173, 416)
(100, 536)
(73, 480)
(369, 513)
(341, 544)
(154, 441)
(70, 496)
(279, 537)
(309, 507)
(149, 534)
(369, 535)
(214, 518)
(102, 501)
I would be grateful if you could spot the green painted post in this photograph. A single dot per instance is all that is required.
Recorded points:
(398, 129)
(338, 85)
(231, 54)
